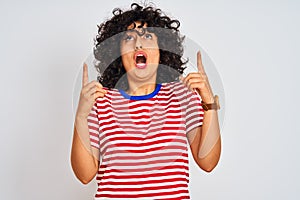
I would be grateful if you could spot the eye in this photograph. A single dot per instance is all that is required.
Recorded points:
(128, 37)
(148, 36)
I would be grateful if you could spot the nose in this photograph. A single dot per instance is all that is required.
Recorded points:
(138, 44)
(138, 47)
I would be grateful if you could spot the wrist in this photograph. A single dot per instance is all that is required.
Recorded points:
(211, 105)
(208, 98)
(210, 101)
(210, 111)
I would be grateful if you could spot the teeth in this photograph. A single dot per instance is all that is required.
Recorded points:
(140, 58)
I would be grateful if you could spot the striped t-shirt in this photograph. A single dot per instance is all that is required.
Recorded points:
(142, 142)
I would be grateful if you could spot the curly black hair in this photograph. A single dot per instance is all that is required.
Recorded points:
(107, 45)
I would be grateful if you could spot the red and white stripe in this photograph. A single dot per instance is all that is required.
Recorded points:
(143, 143)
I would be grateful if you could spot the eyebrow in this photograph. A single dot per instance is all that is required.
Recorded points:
(143, 32)
(140, 33)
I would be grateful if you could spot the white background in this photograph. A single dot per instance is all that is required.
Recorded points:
(254, 45)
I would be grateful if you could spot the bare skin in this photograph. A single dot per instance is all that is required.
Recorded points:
(205, 141)
(84, 158)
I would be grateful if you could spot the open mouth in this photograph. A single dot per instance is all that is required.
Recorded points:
(140, 59)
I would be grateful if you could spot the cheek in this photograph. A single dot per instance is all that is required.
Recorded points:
(155, 55)
(156, 52)
(126, 61)
(125, 48)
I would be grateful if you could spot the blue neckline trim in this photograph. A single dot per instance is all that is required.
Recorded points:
(141, 97)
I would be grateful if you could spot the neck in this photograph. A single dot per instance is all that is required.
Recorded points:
(138, 89)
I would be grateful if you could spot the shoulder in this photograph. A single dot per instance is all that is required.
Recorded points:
(178, 88)
(109, 96)
(174, 86)
(175, 91)
(181, 92)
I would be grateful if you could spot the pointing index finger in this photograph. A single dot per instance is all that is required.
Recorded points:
(85, 77)
(199, 63)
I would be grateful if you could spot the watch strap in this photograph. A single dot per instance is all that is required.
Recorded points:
(211, 106)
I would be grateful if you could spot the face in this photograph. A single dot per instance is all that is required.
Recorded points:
(140, 54)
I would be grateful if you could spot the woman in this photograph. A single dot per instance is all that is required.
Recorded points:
(131, 125)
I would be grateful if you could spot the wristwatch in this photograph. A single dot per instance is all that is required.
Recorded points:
(211, 106)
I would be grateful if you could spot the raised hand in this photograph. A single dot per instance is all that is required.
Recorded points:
(199, 81)
(89, 93)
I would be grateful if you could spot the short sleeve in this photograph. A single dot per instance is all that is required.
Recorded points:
(93, 125)
(194, 111)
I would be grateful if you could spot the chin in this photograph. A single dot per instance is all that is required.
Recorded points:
(146, 74)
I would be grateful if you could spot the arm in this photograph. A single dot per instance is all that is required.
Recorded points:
(84, 164)
(84, 157)
(205, 142)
